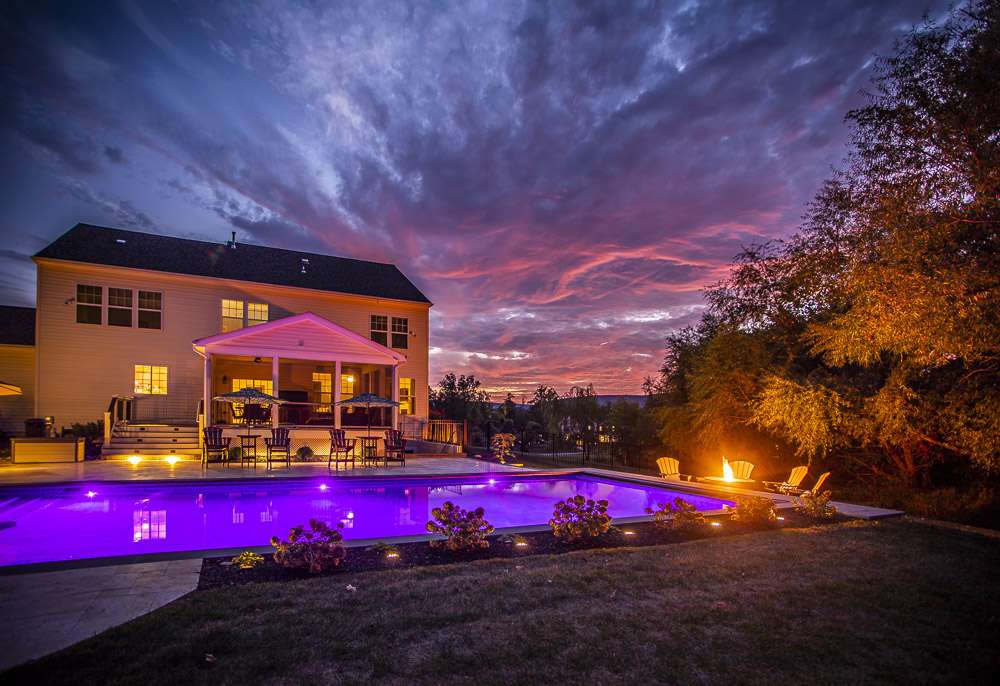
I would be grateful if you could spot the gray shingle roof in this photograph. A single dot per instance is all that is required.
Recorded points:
(246, 262)
(17, 325)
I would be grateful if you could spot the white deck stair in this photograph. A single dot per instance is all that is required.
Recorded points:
(153, 439)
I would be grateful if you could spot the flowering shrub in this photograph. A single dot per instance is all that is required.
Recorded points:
(753, 510)
(578, 517)
(317, 549)
(462, 529)
(815, 506)
(677, 515)
(247, 560)
(503, 445)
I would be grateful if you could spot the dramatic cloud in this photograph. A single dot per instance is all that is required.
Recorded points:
(561, 178)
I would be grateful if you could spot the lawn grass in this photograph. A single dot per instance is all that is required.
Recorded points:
(892, 602)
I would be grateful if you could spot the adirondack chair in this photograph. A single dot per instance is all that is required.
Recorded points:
(215, 444)
(280, 443)
(341, 449)
(793, 481)
(741, 469)
(669, 468)
(395, 446)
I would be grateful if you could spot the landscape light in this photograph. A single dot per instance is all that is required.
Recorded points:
(716, 523)
(391, 555)
(781, 519)
(629, 532)
(521, 544)
(134, 459)
(172, 460)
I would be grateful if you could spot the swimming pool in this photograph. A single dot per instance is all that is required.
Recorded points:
(81, 521)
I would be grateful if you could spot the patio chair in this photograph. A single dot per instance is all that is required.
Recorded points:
(669, 468)
(815, 490)
(341, 448)
(215, 444)
(741, 469)
(280, 443)
(793, 481)
(395, 446)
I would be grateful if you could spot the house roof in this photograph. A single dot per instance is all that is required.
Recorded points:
(305, 336)
(244, 262)
(17, 325)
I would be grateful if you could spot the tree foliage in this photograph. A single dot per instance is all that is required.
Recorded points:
(875, 329)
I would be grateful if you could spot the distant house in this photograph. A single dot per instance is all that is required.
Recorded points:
(150, 328)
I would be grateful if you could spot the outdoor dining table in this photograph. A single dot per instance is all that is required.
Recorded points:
(369, 448)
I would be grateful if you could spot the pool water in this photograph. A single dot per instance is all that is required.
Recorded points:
(57, 523)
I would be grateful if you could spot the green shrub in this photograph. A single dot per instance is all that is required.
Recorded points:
(247, 560)
(753, 510)
(815, 506)
(577, 518)
(304, 454)
(235, 453)
(462, 529)
(677, 515)
(317, 549)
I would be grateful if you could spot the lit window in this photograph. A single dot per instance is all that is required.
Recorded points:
(380, 328)
(323, 390)
(256, 313)
(232, 315)
(150, 310)
(150, 379)
(400, 332)
(347, 385)
(119, 307)
(406, 398)
(88, 304)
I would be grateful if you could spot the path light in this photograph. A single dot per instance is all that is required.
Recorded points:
(134, 459)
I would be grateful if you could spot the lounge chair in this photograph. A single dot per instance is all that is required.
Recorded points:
(741, 469)
(341, 449)
(280, 443)
(670, 468)
(815, 490)
(793, 481)
(395, 447)
(215, 444)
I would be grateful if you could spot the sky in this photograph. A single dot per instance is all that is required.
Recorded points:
(561, 179)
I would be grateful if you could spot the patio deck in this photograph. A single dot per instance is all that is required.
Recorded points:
(150, 470)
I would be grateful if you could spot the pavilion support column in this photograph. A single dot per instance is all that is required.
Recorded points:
(395, 396)
(275, 373)
(207, 390)
(336, 394)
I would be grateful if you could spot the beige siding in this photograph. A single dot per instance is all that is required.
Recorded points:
(17, 366)
(81, 366)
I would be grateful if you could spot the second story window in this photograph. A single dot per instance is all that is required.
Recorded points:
(88, 304)
(380, 329)
(400, 332)
(232, 315)
(150, 310)
(119, 307)
(256, 313)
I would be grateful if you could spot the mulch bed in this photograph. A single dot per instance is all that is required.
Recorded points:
(219, 572)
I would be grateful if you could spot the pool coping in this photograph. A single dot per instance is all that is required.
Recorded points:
(781, 502)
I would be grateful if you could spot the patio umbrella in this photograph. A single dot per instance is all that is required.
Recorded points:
(248, 396)
(9, 389)
(368, 401)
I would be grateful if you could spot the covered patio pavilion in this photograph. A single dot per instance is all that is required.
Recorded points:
(310, 363)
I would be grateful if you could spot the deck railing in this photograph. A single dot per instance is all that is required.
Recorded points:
(437, 430)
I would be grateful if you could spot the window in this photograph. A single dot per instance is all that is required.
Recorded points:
(406, 397)
(232, 315)
(323, 390)
(256, 313)
(119, 307)
(400, 332)
(346, 386)
(150, 379)
(88, 304)
(380, 329)
(150, 310)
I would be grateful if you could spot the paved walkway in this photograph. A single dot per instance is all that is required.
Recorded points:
(152, 469)
(46, 611)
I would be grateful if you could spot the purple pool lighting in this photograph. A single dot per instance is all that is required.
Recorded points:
(58, 523)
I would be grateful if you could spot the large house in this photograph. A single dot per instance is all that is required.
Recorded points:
(145, 330)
